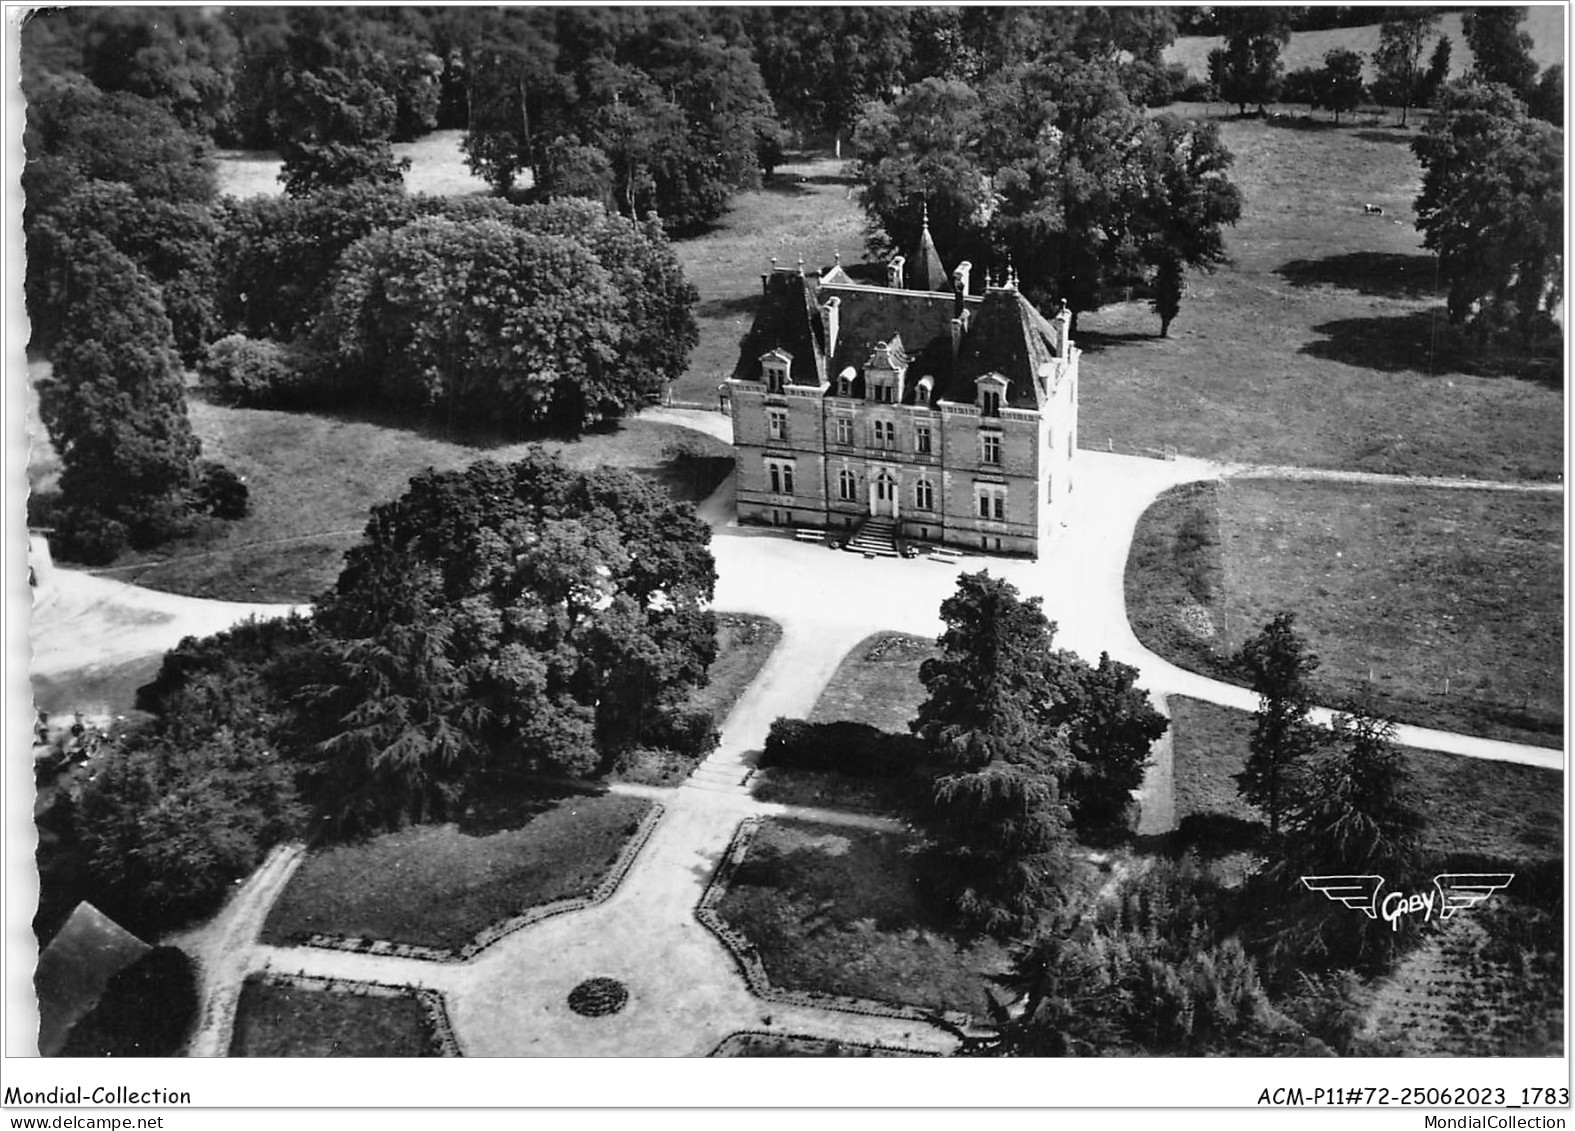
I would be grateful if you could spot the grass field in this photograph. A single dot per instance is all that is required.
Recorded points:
(279, 1020)
(315, 478)
(1307, 48)
(1324, 342)
(437, 166)
(441, 885)
(1413, 585)
(1494, 809)
(877, 683)
(839, 911)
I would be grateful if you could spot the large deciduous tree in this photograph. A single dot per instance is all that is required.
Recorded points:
(1502, 50)
(524, 617)
(1491, 208)
(1399, 58)
(998, 819)
(1340, 87)
(115, 406)
(1190, 198)
(1051, 167)
(479, 319)
(123, 167)
(1279, 666)
(1247, 69)
(1111, 727)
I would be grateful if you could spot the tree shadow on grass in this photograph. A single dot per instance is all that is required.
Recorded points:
(722, 307)
(1395, 136)
(1381, 273)
(453, 428)
(1097, 341)
(1424, 342)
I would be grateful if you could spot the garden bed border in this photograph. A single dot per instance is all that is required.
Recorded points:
(900, 1050)
(602, 892)
(748, 961)
(440, 1032)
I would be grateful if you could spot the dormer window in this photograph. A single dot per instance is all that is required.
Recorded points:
(845, 382)
(774, 370)
(921, 392)
(990, 402)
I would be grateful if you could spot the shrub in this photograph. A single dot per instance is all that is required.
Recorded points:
(220, 492)
(1212, 833)
(252, 372)
(87, 537)
(857, 749)
(687, 732)
(147, 1009)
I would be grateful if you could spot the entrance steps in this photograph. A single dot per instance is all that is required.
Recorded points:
(876, 538)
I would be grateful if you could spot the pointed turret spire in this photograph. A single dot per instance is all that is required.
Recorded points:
(928, 274)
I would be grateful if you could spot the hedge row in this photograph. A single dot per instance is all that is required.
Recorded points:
(857, 749)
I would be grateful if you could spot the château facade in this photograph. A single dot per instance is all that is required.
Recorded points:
(951, 414)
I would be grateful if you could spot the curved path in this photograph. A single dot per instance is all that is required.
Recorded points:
(685, 991)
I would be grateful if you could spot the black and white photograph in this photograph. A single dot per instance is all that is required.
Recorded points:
(930, 534)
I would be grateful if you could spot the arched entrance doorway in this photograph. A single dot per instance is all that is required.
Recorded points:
(883, 495)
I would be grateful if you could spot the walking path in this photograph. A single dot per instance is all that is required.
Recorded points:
(686, 993)
(1379, 479)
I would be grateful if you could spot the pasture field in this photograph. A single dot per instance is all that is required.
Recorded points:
(1545, 24)
(1444, 607)
(437, 167)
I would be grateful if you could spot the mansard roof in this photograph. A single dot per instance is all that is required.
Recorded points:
(788, 319)
(1004, 334)
(1011, 338)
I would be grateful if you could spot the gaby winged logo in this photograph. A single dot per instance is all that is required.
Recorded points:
(1452, 892)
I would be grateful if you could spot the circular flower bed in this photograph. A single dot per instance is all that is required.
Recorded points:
(598, 997)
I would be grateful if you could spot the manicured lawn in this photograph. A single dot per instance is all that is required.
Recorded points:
(877, 683)
(743, 643)
(440, 885)
(279, 1020)
(1413, 585)
(841, 911)
(1492, 809)
(315, 478)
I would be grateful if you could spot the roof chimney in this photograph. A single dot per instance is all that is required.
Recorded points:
(960, 286)
(833, 315)
(894, 273)
(958, 325)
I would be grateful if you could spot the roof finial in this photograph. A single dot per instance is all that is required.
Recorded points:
(801, 265)
(773, 263)
(1011, 272)
(836, 256)
(926, 212)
